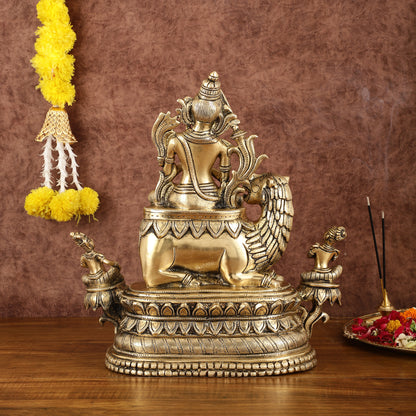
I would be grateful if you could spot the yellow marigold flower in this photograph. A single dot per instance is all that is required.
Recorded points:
(52, 62)
(37, 202)
(409, 313)
(393, 325)
(64, 205)
(52, 10)
(58, 66)
(89, 201)
(54, 38)
(57, 92)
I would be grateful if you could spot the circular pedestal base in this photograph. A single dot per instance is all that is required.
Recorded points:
(211, 332)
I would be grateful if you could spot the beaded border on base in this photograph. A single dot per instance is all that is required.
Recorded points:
(210, 368)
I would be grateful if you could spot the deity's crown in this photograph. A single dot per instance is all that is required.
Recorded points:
(210, 88)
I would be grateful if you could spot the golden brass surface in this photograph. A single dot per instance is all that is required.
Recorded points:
(56, 125)
(386, 306)
(318, 284)
(211, 304)
(103, 286)
(210, 332)
(196, 232)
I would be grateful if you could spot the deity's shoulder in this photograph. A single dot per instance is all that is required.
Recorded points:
(197, 138)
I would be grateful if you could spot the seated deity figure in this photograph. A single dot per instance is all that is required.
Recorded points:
(197, 149)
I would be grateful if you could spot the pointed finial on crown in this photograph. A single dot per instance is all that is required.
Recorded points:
(210, 88)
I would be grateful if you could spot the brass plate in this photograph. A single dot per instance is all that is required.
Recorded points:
(348, 333)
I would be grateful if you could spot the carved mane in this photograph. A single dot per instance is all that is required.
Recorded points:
(268, 240)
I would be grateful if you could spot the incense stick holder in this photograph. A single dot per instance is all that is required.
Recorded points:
(386, 306)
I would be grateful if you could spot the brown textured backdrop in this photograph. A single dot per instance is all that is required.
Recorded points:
(328, 86)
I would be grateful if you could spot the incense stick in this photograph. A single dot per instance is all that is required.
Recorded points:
(375, 242)
(384, 249)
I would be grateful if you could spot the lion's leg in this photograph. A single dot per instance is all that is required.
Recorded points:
(256, 279)
(156, 260)
(157, 266)
(182, 278)
(231, 270)
(159, 273)
(224, 269)
(158, 277)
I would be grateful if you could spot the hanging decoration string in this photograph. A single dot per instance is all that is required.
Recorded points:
(55, 67)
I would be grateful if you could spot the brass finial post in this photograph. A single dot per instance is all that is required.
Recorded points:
(386, 306)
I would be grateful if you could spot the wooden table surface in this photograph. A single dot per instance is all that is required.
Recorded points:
(56, 367)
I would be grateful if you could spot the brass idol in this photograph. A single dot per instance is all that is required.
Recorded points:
(211, 304)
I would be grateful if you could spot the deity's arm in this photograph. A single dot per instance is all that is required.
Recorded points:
(335, 254)
(100, 259)
(312, 251)
(110, 262)
(83, 262)
(225, 165)
(170, 158)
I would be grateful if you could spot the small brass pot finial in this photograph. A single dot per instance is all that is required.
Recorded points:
(318, 284)
(103, 282)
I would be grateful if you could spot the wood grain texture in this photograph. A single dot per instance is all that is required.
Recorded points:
(56, 367)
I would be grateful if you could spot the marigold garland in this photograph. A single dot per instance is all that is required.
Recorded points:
(55, 67)
(52, 62)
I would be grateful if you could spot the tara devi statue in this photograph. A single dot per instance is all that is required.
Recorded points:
(211, 303)
(196, 231)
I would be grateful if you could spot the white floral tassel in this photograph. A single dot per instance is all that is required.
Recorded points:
(61, 166)
(74, 165)
(47, 163)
